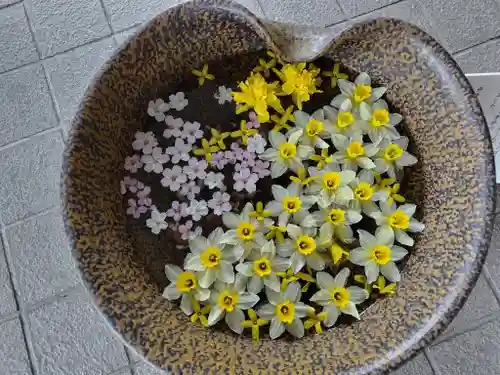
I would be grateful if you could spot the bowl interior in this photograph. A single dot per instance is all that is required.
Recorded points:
(123, 265)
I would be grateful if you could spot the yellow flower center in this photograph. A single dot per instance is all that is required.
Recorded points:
(336, 216)
(380, 117)
(355, 149)
(340, 297)
(288, 150)
(381, 254)
(292, 204)
(361, 93)
(262, 267)
(331, 181)
(186, 282)
(337, 253)
(314, 127)
(245, 230)
(399, 220)
(306, 245)
(285, 312)
(393, 152)
(363, 191)
(227, 300)
(344, 119)
(211, 257)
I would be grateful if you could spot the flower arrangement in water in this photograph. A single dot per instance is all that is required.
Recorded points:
(289, 219)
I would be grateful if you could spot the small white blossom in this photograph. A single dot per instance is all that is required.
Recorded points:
(196, 168)
(175, 126)
(173, 178)
(145, 142)
(178, 101)
(190, 190)
(180, 151)
(133, 163)
(134, 185)
(198, 209)
(245, 180)
(178, 210)
(261, 168)
(154, 162)
(214, 180)
(223, 95)
(256, 143)
(187, 232)
(135, 209)
(143, 197)
(123, 187)
(220, 203)
(157, 222)
(157, 109)
(192, 132)
(219, 159)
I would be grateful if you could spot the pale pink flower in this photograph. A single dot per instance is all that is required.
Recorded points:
(135, 209)
(220, 203)
(145, 142)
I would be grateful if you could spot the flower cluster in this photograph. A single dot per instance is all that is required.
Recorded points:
(299, 200)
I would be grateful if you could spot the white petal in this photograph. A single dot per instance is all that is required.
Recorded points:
(202, 294)
(333, 315)
(303, 151)
(245, 268)
(269, 154)
(321, 297)
(247, 300)
(216, 314)
(280, 264)
(365, 163)
(234, 320)
(395, 118)
(415, 226)
(171, 293)
(272, 282)
(208, 278)
(357, 294)
(230, 237)
(277, 328)
(294, 231)
(233, 254)
(360, 256)
(319, 143)
(381, 165)
(366, 239)
(256, 284)
(341, 278)
(339, 100)
(316, 262)
(301, 309)
(398, 253)
(408, 209)
(344, 193)
(390, 271)
(371, 271)
(275, 207)
(279, 192)
(198, 245)
(384, 235)
(340, 142)
(231, 220)
(172, 271)
(276, 139)
(403, 238)
(351, 310)
(301, 118)
(194, 264)
(296, 328)
(365, 111)
(295, 136)
(292, 292)
(298, 261)
(346, 87)
(344, 233)
(187, 304)
(354, 217)
(278, 169)
(273, 297)
(287, 248)
(402, 142)
(378, 92)
(325, 280)
(406, 160)
(363, 78)
(225, 272)
(267, 311)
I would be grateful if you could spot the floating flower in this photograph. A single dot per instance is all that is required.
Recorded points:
(284, 311)
(262, 269)
(184, 285)
(359, 91)
(223, 95)
(342, 121)
(244, 133)
(322, 159)
(389, 189)
(281, 122)
(332, 186)
(214, 180)
(135, 210)
(196, 169)
(353, 152)
(245, 180)
(173, 178)
(337, 220)
(336, 298)
(313, 128)
(302, 178)
(180, 151)
(261, 168)
(253, 122)
(203, 74)
(187, 232)
(256, 143)
(218, 138)
(278, 231)
(378, 254)
(144, 142)
(256, 93)
(397, 221)
(289, 202)
(228, 301)
(157, 109)
(302, 249)
(220, 160)
(157, 222)
(190, 189)
(175, 126)
(133, 163)
(198, 209)
(143, 196)
(154, 162)
(383, 287)
(192, 132)
(289, 276)
(206, 150)
(335, 75)
(260, 214)
(365, 193)
(178, 101)
(265, 67)
(298, 82)
(285, 154)
(178, 210)
(315, 320)
(200, 313)
(393, 157)
(220, 203)
(378, 121)
(212, 259)
(255, 323)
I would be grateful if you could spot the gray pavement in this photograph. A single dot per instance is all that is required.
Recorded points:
(49, 49)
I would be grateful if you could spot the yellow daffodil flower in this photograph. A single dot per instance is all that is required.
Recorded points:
(200, 313)
(297, 82)
(244, 133)
(276, 231)
(316, 321)
(218, 138)
(255, 323)
(381, 286)
(281, 122)
(302, 178)
(203, 74)
(391, 187)
(335, 75)
(322, 159)
(260, 214)
(289, 277)
(206, 150)
(265, 66)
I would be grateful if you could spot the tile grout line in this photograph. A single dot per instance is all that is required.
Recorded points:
(32, 32)
(491, 284)
(469, 328)
(430, 360)
(54, 129)
(458, 52)
(358, 16)
(106, 15)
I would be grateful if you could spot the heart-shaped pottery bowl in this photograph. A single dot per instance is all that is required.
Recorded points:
(453, 185)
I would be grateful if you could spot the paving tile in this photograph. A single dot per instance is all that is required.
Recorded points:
(417, 366)
(473, 353)
(484, 58)
(354, 8)
(63, 24)
(123, 36)
(70, 73)
(493, 259)
(26, 106)
(7, 302)
(13, 355)
(16, 43)
(41, 257)
(464, 23)
(314, 13)
(70, 337)
(29, 176)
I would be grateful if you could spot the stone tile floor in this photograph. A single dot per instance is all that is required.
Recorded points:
(49, 49)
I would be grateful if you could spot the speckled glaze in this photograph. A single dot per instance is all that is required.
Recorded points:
(453, 186)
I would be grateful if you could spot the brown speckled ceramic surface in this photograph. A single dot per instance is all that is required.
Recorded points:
(453, 185)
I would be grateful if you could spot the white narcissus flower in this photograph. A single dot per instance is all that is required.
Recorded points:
(223, 95)
(228, 301)
(154, 162)
(244, 232)
(289, 202)
(342, 121)
(211, 259)
(353, 152)
(157, 222)
(332, 185)
(302, 248)
(144, 142)
(365, 193)
(398, 220)
(359, 91)
(284, 310)
(313, 128)
(336, 220)
(378, 122)
(378, 254)
(184, 285)
(178, 101)
(284, 153)
(262, 269)
(393, 157)
(335, 298)
(157, 109)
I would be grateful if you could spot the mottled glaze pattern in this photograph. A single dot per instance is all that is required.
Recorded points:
(453, 186)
